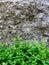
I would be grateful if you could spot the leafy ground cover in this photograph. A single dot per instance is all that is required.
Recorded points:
(24, 53)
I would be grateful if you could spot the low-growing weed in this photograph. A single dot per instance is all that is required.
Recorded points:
(24, 52)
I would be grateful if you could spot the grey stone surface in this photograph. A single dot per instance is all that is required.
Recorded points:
(28, 18)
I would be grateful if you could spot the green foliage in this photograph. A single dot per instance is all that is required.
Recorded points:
(24, 53)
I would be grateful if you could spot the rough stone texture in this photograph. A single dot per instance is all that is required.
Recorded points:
(29, 19)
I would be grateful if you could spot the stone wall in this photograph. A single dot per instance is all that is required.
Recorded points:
(9, 0)
(29, 19)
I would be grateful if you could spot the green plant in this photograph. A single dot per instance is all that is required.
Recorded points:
(24, 52)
